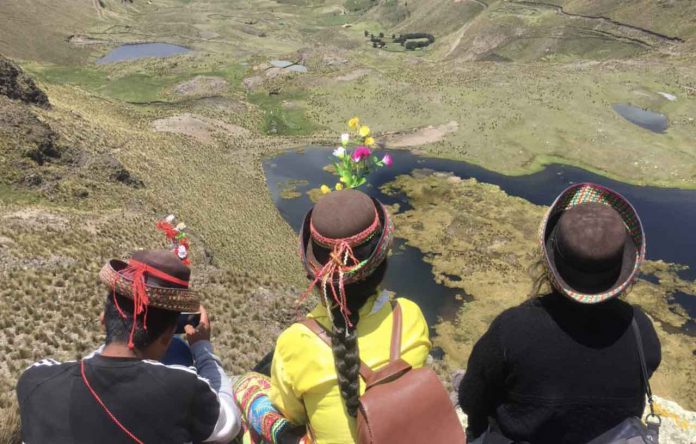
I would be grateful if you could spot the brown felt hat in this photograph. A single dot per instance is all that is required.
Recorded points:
(593, 243)
(166, 279)
(350, 216)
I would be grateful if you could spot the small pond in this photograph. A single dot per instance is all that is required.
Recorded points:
(141, 50)
(649, 120)
(668, 215)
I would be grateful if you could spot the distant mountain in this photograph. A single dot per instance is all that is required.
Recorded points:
(532, 30)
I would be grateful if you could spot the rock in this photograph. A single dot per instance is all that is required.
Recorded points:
(16, 85)
(297, 68)
(118, 173)
(678, 424)
(27, 134)
(83, 40)
(198, 127)
(280, 63)
(253, 82)
(202, 86)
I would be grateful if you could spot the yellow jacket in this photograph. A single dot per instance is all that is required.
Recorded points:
(304, 385)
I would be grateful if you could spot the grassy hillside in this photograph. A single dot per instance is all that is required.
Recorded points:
(509, 85)
(38, 30)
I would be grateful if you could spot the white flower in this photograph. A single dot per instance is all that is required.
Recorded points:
(181, 252)
(170, 218)
(345, 138)
(339, 152)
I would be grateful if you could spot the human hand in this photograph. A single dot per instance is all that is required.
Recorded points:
(200, 333)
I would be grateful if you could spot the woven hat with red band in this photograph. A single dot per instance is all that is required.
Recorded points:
(151, 278)
(343, 240)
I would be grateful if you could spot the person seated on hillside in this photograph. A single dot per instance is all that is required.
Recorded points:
(565, 367)
(122, 393)
(344, 242)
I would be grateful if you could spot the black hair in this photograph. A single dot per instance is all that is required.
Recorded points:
(118, 328)
(344, 341)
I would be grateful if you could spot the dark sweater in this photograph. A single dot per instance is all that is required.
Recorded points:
(157, 403)
(555, 371)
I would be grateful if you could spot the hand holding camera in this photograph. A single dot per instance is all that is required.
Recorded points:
(201, 331)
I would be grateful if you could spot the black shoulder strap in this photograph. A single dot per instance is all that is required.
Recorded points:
(643, 365)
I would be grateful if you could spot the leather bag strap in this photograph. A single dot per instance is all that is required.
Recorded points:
(395, 351)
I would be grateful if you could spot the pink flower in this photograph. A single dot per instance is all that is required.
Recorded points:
(360, 153)
(387, 160)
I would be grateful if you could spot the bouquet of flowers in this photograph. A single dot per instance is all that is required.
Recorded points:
(355, 158)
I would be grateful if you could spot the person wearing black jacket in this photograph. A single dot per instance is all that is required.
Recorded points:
(564, 367)
(122, 393)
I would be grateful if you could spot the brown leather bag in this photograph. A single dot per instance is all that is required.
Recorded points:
(402, 404)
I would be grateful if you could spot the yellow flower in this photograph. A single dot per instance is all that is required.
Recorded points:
(369, 141)
(325, 189)
(354, 123)
(339, 186)
(364, 131)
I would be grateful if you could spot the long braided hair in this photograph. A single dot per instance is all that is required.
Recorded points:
(344, 338)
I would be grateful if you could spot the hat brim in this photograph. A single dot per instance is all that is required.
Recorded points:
(581, 286)
(375, 259)
(172, 299)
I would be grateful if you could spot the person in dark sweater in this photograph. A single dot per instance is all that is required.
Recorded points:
(122, 393)
(564, 367)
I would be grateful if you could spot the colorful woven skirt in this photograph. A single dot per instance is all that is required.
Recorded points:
(263, 424)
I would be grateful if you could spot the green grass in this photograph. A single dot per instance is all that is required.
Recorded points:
(281, 121)
(141, 85)
(13, 195)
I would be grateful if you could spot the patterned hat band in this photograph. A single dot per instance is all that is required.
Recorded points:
(173, 299)
(343, 268)
(584, 193)
(352, 241)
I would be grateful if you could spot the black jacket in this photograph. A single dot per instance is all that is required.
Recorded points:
(155, 402)
(555, 371)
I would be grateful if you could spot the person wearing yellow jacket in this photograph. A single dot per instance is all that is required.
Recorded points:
(304, 381)
(314, 389)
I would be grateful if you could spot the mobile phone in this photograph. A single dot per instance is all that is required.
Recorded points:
(187, 319)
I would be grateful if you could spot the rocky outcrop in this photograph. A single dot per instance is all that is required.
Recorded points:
(35, 157)
(678, 425)
(17, 85)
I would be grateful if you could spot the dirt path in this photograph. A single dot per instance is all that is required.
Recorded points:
(485, 5)
(421, 136)
(97, 6)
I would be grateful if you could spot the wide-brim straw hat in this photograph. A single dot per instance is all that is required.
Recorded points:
(314, 255)
(166, 286)
(633, 251)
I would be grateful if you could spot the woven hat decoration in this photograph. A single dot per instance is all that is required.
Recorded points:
(343, 267)
(634, 254)
(151, 278)
(177, 236)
